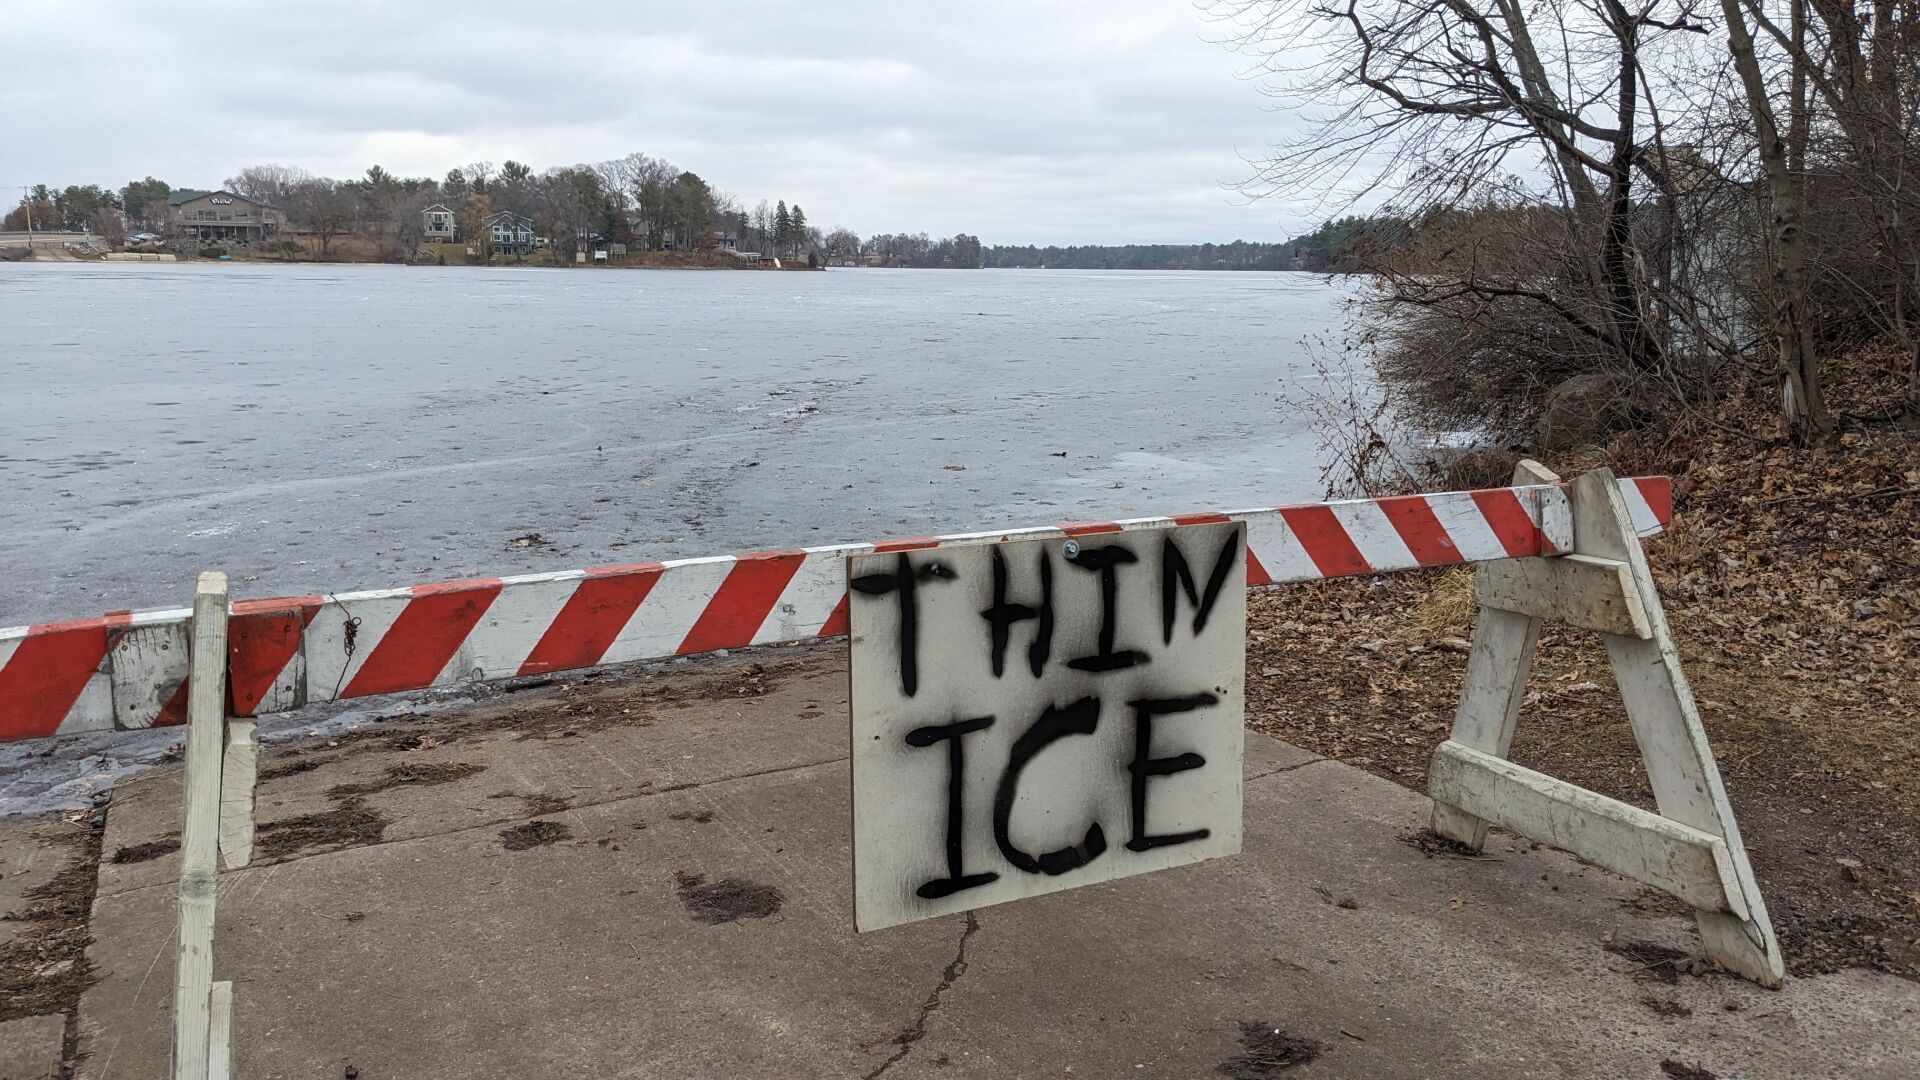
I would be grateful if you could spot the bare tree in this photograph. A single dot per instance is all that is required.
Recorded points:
(649, 189)
(111, 224)
(1802, 402)
(1525, 135)
(616, 178)
(761, 226)
(323, 208)
(274, 185)
(570, 207)
(404, 210)
(841, 242)
(479, 175)
(1853, 82)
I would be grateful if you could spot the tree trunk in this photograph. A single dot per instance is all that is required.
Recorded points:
(1533, 77)
(1629, 317)
(1802, 403)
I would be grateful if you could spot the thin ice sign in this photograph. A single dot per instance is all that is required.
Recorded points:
(1035, 715)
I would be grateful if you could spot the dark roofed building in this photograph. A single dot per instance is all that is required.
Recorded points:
(512, 233)
(220, 215)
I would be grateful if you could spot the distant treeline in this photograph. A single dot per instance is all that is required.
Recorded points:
(960, 252)
(1332, 248)
(638, 201)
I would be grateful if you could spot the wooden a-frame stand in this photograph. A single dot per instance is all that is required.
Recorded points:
(1691, 848)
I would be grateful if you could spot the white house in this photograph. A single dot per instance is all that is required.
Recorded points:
(440, 224)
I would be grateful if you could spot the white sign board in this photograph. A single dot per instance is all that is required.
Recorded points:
(1036, 715)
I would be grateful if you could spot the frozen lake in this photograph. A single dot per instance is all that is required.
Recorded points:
(325, 428)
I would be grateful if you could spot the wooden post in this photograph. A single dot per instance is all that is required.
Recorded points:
(237, 771)
(220, 1033)
(200, 833)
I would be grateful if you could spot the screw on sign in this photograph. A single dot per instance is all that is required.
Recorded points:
(1035, 715)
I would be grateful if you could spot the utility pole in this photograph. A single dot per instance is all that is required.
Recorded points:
(26, 200)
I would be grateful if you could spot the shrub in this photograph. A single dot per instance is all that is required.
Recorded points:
(212, 252)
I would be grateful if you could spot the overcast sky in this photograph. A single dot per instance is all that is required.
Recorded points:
(1042, 121)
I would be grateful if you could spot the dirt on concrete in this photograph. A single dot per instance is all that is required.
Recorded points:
(727, 900)
(1269, 1051)
(1434, 846)
(1656, 963)
(291, 768)
(1666, 1007)
(350, 824)
(533, 834)
(537, 804)
(583, 706)
(879, 980)
(44, 967)
(565, 708)
(423, 774)
(147, 852)
(571, 705)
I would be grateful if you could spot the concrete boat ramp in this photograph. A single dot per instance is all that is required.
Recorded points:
(646, 874)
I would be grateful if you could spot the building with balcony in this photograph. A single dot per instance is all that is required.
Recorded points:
(512, 233)
(220, 215)
(440, 225)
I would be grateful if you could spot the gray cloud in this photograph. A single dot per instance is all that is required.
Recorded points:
(1044, 122)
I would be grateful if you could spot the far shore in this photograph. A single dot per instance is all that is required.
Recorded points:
(45, 250)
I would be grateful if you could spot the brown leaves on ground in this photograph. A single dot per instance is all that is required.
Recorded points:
(1792, 580)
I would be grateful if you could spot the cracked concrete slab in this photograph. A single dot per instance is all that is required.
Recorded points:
(905, 1039)
(475, 938)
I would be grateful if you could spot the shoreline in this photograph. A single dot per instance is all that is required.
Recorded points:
(176, 259)
(170, 258)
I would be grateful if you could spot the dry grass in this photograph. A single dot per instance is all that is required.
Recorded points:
(1446, 609)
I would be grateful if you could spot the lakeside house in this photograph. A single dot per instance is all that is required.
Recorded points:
(677, 240)
(1701, 229)
(512, 233)
(221, 215)
(440, 227)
